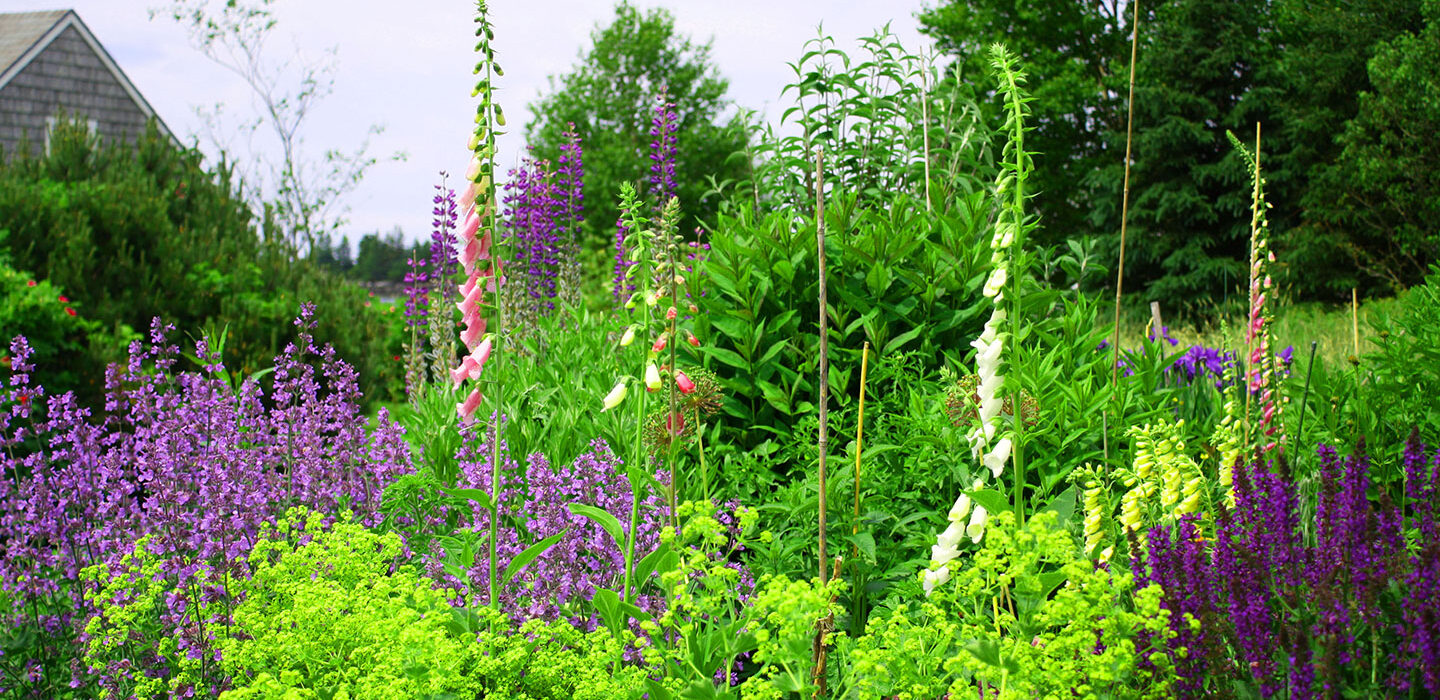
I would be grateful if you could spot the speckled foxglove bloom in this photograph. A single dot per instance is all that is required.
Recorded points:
(474, 254)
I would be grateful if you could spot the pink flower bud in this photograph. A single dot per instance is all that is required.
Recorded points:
(691, 339)
(670, 314)
(660, 342)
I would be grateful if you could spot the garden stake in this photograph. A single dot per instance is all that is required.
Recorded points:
(859, 437)
(824, 345)
(1124, 217)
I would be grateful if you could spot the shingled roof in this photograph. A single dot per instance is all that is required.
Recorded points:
(50, 61)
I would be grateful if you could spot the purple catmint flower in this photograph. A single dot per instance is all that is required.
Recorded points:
(186, 459)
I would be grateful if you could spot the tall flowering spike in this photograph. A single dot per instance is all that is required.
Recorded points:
(1264, 369)
(479, 228)
(986, 443)
(417, 309)
(663, 186)
(444, 263)
(570, 194)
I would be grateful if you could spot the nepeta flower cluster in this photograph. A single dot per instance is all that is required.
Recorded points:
(181, 458)
(1265, 604)
(532, 506)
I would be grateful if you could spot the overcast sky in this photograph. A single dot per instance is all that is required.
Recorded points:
(406, 66)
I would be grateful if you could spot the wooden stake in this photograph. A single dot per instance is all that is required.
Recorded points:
(859, 437)
(1124, 213)
(1355, 322)
(824, 347)
(925, 131)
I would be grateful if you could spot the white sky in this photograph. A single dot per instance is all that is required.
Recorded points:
(407, 66)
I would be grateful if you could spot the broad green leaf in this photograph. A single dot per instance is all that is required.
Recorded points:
(994, 501)
(601, 517)
(473, 494)
(524, 558)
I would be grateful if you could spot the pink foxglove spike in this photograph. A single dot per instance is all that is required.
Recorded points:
(481, 355)
(684, 383)
(459, 374)
(467, 196)
(471, 335)
(469, 254)
(472, 224)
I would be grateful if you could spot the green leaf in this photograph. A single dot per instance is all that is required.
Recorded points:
(662, 560)
(473, 494)
(987, 651)
(865, 542)
(994, 501)
(899, 341)
(1063, 505)
(601, 517)
(524, 558)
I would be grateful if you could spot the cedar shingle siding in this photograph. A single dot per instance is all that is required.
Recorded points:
(67, 73)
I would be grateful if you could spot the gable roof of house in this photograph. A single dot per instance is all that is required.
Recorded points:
(24, 35)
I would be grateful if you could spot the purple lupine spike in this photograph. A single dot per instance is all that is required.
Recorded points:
(417, 292)
(444, 260)
(662, 150)
(570, 195)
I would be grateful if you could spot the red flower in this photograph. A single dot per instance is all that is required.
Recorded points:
(70, 311)
(63, 300)
(397, 358)
(30, 283)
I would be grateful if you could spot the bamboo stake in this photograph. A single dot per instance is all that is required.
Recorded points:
(859, 437)
(823, 625)
(824, 346)
(1355, 322)
(1124, 216)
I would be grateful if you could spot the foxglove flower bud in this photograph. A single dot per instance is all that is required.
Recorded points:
(685, 384)
(615, 396)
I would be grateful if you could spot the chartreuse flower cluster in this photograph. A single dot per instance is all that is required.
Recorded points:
(332, 611)
(1163, 469)
(1029, 617)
